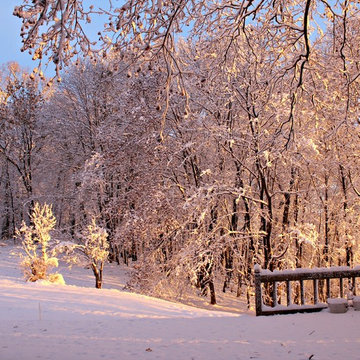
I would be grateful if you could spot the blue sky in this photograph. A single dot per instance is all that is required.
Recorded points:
(10, 40)
(10, 37)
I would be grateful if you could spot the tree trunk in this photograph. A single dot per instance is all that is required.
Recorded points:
(212, 292)
(298, 244)
(228, 258)
(348, 245)
(326, 215)
(98, 273)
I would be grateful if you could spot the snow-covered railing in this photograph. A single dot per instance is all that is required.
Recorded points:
(272, 279)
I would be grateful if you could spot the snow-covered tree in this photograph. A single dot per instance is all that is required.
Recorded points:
(203, 157)
(35, 241)
(91, 250)
(20, 143)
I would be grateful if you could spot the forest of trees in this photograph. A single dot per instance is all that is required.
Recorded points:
(200, 155)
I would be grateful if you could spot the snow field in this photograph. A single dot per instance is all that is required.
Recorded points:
(74, 322)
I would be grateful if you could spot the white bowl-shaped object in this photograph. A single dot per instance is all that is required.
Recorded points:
(337, 305)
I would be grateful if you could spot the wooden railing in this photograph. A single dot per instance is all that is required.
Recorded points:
(269, 281)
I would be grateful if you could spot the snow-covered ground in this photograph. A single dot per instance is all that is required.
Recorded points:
(77, 321)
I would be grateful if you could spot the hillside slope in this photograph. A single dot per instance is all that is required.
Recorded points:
(76, 322)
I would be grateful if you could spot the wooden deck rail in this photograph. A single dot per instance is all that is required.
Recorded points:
(300, 275)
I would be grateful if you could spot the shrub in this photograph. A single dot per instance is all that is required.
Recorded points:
(91, 251)
(35, 242)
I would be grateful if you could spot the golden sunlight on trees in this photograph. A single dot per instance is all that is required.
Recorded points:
(290, 31)
(35, 240)
(95, 249)
(92, 249)
(20, 142)
(199, 157)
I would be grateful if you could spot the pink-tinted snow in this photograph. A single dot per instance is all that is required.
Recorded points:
(74, 322)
